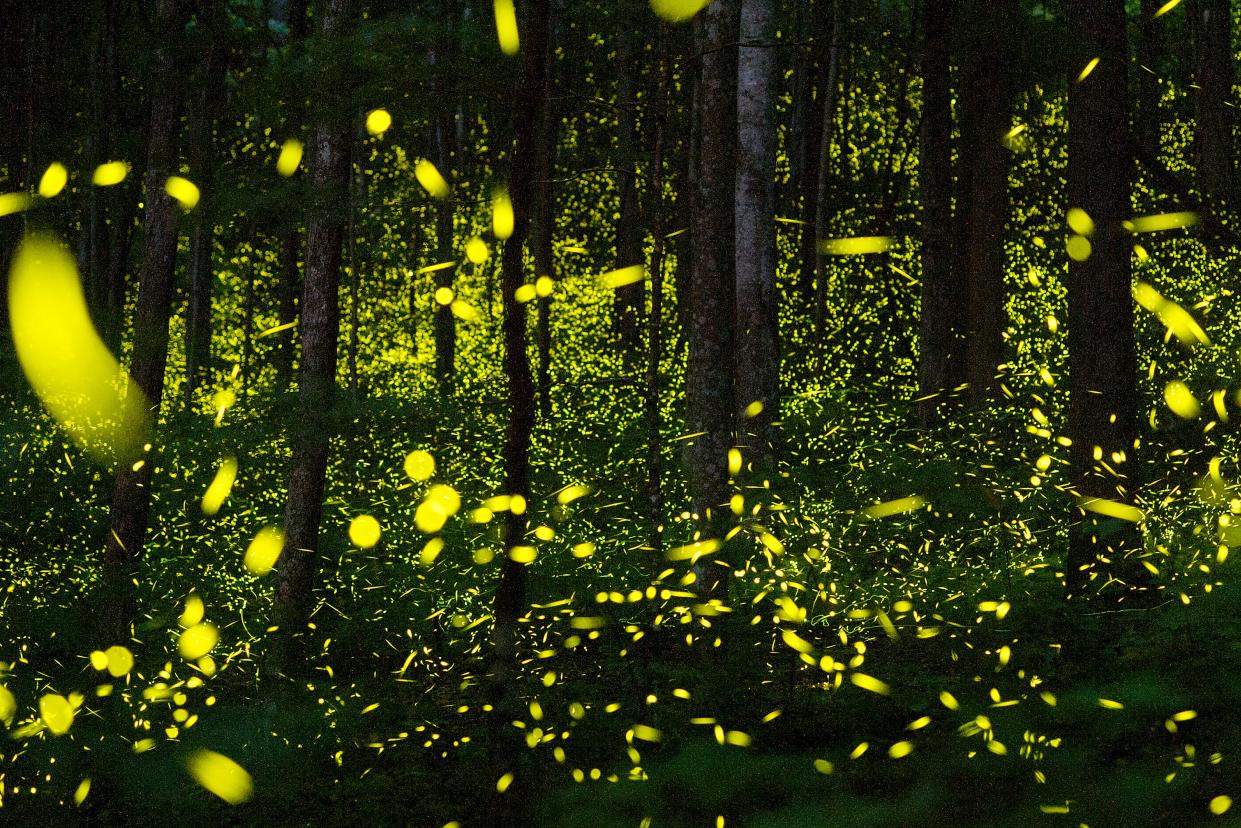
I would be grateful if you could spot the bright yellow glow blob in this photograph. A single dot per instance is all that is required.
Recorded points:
(221, 776)
(501, 214)
(431, 179)
(419, 465)
(110, 174)
(264, 550)
(67, 364)
(54, 179)
(506, 27)
(290, 157)
(183, 190)
(364, 531)
(378, 121)
(220, 486)
(677, 11)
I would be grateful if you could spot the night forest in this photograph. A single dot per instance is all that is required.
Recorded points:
(645, 413)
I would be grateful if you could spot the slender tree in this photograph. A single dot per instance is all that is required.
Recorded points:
(446, 150)
(1102, 364)
(1147, 124)
(757, 336)
(940, 366)
(1214, 100)
(320, 324)
(654, 322)
(131, 493)
(510, 597)
(202, 161)
(628, 227)
(985, 99)
(710, 407)
(544, 232)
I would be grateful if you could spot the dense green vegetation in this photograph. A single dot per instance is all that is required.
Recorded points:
(894, 644)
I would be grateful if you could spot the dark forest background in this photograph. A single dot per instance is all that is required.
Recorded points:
(623, 412)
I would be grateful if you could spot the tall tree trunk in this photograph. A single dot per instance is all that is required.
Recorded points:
(544, 232)
(289, 285)
(329, 176)
(824, 169)
(710, 404)
(757, 332)
(14, 99)
(510, 597)
(1102, 364)
(939, 357)
(654, 326)
(445, 322)
(131, 494)
(982, 197)
(1150, 54)
(629, 251)
(1214, 124)
(202, 160)
(822, 90)
(106, 94)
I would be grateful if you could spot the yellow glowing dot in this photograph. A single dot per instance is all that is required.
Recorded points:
(264, 550)
(1181, 400)
(1080, 222)
(57, 713)
(1220, 804)
(501, 214)
(221, 776)
(444, 296)
(364, 531)
(290, 157)
(54, 179)
(419, 465)
(378, 121)
(476, 250)
(220, 486)
(110, 174)
(1090, 67)
(677, 11)
(431, 179)
(197, 641)
(544, 285)
(183, 190)
(506, 27)
(1078, 247)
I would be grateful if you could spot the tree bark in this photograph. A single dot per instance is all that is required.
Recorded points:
(131, 494)
(544, 231)
(1102, 364)
(985, 100)
(710, 405)
(757, 328)
(824, 170)
(510, 596)
(654, 327)
(1149, 53)
(445, 322)
(329, 176)
(629, 299)
(940, 342)
(1214, 123)
(202, 161)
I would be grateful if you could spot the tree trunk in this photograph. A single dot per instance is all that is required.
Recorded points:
(629, 299)
(939, 357)
(757, 331)
(544, 231)
(710, 405)
(445, 322)
(821, 80)
(202, 160)
(510, 597)
(1150, 58)
(985, 100)
(1102, 364)
(824, 170)
(329, 176)
(131, 494)
(1213, 127)
(654, 327)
